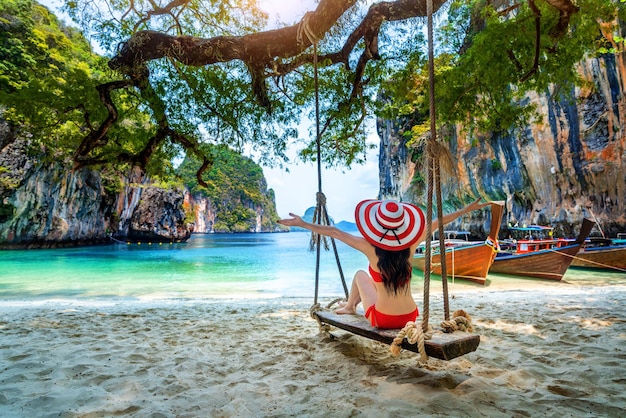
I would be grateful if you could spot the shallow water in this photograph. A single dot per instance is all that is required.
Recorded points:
(214, 266)
(238, 265)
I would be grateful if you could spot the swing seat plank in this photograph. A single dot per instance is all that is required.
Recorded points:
(444, 346)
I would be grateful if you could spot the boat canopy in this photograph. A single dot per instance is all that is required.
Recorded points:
(460, 235)
(532, 232)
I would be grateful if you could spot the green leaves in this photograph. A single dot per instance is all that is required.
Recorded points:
(487, 61)
(491, 59)
(613, 46)
(48, 86)
(47, 74)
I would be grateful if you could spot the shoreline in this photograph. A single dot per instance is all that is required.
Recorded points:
(138, 291)
(547, 350)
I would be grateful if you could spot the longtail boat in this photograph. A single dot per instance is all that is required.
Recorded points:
(545, 258)
(601, 253)
(469, 260)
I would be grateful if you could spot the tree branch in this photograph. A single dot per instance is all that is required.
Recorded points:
(265, 54)
(158, 11)
(98, 137)
(260, 50)
(566, 9)
(193, 148)
(535, 66)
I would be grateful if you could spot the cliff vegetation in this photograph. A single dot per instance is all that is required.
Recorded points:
(553, 148)
(48, 100)
(234, 198)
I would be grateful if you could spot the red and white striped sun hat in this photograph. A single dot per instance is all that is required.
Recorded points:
(388, 224)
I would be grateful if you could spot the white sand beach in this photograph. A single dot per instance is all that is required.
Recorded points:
(547, 349)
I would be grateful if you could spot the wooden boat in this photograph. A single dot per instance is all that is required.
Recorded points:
(469, 260)
(601, 253)
(545, 258)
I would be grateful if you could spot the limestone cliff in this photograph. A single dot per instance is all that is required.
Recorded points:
(160, 216)
(49, 204)
(208, 218)
(569, 165)
(236, 197)
(54, 206)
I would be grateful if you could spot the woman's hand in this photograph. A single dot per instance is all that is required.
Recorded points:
(475, 205)
(295, 220)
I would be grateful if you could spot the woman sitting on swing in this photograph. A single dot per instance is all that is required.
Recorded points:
(391, 232)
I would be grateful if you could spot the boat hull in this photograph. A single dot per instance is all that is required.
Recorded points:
(544, 264)
(602, 258)
(469, 262)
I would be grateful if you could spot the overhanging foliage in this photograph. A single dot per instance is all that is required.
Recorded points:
(193, 71)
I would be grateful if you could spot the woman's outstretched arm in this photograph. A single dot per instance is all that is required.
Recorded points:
(353, 241)
(446, 219)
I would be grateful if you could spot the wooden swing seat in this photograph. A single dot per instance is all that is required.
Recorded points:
(443, 346)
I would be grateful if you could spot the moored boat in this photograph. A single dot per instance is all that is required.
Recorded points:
(469, 260)
(602, 253)
(545, 257)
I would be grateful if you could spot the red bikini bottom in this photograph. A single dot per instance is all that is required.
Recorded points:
(381, 320)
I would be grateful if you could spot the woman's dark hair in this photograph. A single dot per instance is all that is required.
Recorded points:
(395, 268)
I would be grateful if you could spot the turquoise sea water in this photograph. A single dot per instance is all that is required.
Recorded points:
(207, 266)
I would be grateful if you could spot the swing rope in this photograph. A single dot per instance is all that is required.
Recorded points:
(320, 215)
(430, 162)
(434, 151)
(414, 333)
(461, 320)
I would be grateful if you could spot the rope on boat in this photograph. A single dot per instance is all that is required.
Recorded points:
(116, 240)
(606, 266)
(138, 242)
(493, 244)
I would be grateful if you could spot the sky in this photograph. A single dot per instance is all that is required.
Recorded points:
(295, 190)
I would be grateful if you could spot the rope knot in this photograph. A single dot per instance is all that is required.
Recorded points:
(324, 328)
(321, 199)
(461, 321)
(414, 335)
(320, 217)
(314, 309)
(305, 29)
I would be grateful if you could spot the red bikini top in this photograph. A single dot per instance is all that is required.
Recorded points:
(376, 276)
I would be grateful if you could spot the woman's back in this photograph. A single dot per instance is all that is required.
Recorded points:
(392, 278)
